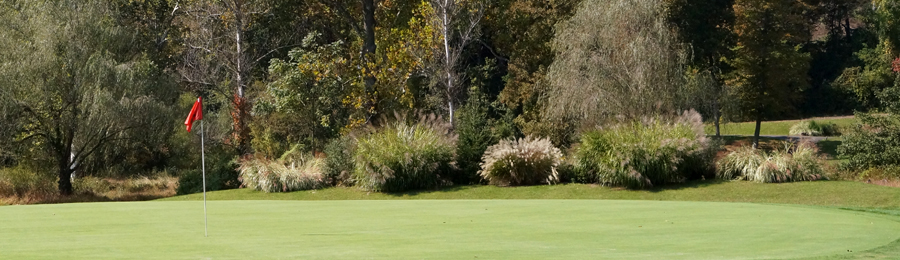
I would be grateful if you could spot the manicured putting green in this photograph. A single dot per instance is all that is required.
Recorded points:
(437, 229)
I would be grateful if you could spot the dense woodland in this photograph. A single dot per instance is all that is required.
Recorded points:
(101, 88)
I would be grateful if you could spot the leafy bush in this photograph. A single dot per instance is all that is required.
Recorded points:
(643, 154)
(813, 128)
(873, 142)
(338, 164)
(799, 162)
(883, 172)
(220, 175)
(404, 156)
(525, 161)
(275, 176)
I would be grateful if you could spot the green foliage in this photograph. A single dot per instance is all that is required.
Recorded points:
(891, 172)
(304, 102)
(643, 154)
(283, 175)
(813, 128)
(473, 126)
(868, 80)
(770, 70)
(404, 156)
(799, 162)
(705, 26)
(890, 96)
(338, 165)
(526, 161)
(221, 174)
(20, 182)
(523, 30)
(873, 142)
(81, 91)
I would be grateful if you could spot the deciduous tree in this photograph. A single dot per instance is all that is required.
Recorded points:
(74, 90)
(769, 66)
(616, 58)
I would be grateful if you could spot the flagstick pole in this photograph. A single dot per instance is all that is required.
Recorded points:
(203, 162)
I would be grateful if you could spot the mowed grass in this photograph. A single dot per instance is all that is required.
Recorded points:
(697, 220)
(439, 229)
(774, 127)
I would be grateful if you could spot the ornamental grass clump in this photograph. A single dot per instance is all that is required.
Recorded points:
(795, 162)
(404, 156)
(646, 153)
(813, 128)
(526, 161)
(282, 176)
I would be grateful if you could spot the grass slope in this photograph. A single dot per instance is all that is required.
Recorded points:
(438, 229)
(821, 193)
(773, 127)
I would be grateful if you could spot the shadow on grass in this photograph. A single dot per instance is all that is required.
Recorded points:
(695, 184)
(444, 189)
(829, 147)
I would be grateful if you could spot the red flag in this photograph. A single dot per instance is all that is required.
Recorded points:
(196, 113)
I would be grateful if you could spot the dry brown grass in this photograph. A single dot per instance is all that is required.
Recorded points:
(92, 189)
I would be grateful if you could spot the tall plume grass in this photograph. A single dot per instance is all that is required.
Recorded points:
(813, 128)
(646, 153)
(526, 161)
(266, 175)
(404, 156)
(794, 162)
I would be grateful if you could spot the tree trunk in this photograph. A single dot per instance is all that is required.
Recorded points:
(756, 132)
(65, 174)
(445, 22)
(369, 47)
(717, 118)
(241, 133)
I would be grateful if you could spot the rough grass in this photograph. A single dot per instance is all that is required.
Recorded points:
(774, 127)
(93, 189)
(821, 193)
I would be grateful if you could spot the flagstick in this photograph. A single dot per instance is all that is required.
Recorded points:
(203, 162)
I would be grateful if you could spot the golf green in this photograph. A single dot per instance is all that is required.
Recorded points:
(437, 229)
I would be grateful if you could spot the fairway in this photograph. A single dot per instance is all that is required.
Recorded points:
(437, 229)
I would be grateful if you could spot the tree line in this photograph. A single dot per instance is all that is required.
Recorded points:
(100, 87)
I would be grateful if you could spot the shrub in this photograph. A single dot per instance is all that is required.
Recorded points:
(475, 135)
(338, 164)
(525, 161)
(884, 172)
(799, 162)
(404, 156)
(21, 182)
(813, 128)
(220, 175)
(871, 143)
(647, 153)
(275, 176)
